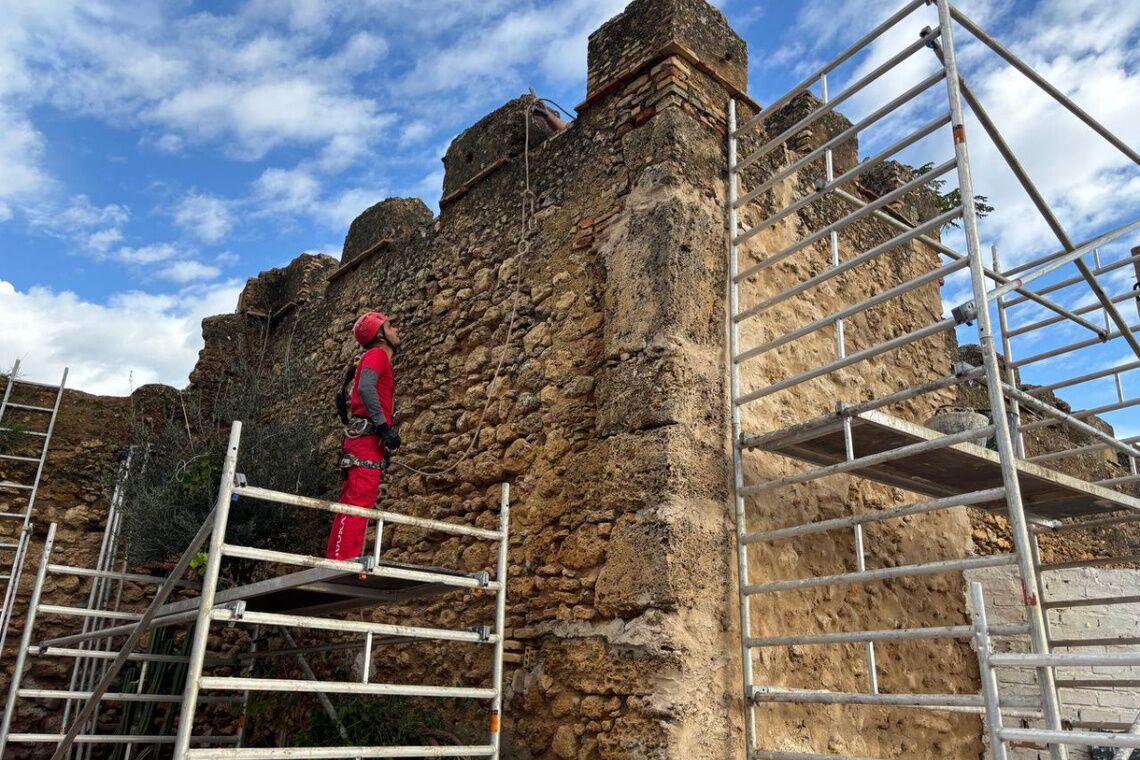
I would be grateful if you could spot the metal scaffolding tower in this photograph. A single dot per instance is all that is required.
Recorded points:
(23, 421)
(307, 600)
(771, 182)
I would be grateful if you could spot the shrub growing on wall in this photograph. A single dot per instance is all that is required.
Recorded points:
(179, 448)
(12, 429)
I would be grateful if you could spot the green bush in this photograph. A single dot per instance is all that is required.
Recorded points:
(179, 449)
(12, 430)
(375, 722)
(12, 435)
(150, 718)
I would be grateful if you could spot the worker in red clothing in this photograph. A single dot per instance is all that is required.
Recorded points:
(365, 405)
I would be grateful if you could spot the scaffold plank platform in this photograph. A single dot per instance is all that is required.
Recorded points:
(957, 469)
(321, 591)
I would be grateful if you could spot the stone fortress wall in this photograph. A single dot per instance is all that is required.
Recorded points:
(609, 418)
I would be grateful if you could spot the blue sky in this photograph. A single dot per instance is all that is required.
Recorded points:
(155, 155)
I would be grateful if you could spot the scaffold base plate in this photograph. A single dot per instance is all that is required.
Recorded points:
(958, 469)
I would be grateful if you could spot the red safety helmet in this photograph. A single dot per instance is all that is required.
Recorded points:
(368, 326)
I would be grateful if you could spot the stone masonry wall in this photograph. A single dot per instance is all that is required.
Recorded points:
(609, 418)
(1104, 706)
(619, 622)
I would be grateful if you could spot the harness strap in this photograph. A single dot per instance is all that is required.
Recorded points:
(348, 461)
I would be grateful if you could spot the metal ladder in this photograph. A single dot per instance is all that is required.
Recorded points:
(86, 671)
(18, 549)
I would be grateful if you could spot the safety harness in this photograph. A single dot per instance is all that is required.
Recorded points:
(354, 427)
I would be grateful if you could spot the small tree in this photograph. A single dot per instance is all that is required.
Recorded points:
(13, 431)
(952, 199)
(179, 449)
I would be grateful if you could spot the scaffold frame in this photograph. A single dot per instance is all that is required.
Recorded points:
(324, 587)
(863, 438)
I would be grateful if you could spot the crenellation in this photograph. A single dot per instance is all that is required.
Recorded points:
(389, 222)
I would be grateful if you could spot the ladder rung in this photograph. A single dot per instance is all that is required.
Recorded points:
(120, 739)
(15, 458)
(9, 546)
(5, 578)
(112, 696)
(28, 408)
(11, 484)
(22, 432)
(34, 384)
(12, 515)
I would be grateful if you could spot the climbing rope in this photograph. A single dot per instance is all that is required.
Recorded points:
(528, 228)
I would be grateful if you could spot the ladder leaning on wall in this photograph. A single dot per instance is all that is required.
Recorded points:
(22, 487)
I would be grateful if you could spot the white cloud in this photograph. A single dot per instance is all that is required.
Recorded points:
(415, 131)
(248, 82)
(431, 183)
(147, 254)
(503, 47)
(170, 143)
(338, 211)
(21, 152)
(94, 227)
(207, 217)
(188, 271)
(296, 192)
(361, 53)
(81, 213)
(174, 264)
(286, 190)
(305, 76)
(263, 115)
(102, 240)
(155, 337)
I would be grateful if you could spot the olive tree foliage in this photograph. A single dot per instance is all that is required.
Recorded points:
(178, 451)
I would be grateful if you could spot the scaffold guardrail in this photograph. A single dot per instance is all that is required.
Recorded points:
(316, 594)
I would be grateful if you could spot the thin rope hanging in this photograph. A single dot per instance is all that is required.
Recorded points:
(528, 228)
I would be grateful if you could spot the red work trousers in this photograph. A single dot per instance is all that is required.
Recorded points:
(360, 488)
